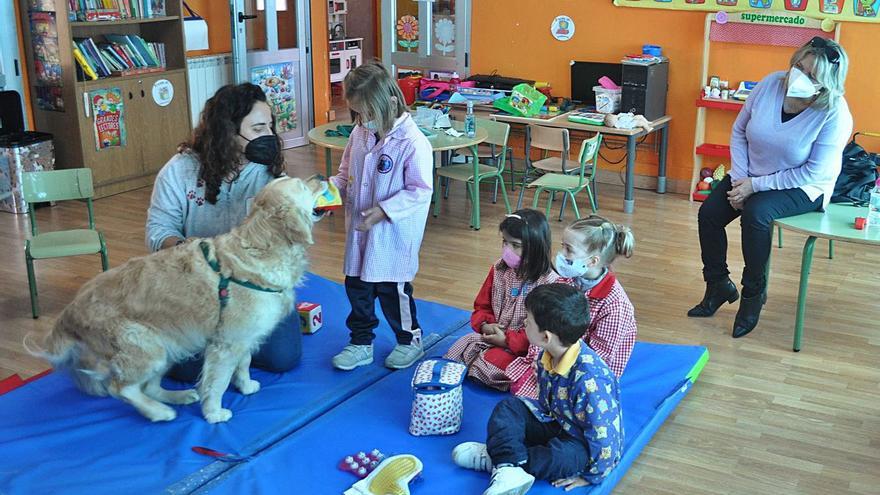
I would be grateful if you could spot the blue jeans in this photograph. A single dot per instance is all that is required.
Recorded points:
(279, 353)
(543, 450)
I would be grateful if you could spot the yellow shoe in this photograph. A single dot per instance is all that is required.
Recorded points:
(391, 477)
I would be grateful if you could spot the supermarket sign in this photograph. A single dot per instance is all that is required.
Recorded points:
(774, 19)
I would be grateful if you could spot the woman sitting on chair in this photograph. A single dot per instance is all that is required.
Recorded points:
(786, 149)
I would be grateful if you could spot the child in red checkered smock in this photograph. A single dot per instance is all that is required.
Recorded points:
(589, 246)
(498, 354)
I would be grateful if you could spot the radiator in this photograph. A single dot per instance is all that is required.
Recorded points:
(206, 76)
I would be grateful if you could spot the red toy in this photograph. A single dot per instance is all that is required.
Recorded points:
(860, 223)
(362, 463)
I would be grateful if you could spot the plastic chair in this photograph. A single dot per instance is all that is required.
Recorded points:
(59, 185)
(571, 184)
(475, 172)
(546, 139)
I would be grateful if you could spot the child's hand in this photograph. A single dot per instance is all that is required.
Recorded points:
(497, 339)
(571, 483)
(490, 328)
(370, 217)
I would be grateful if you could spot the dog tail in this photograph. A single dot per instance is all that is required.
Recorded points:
(64, 352)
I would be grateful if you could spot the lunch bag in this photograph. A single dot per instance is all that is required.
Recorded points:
(437, 397)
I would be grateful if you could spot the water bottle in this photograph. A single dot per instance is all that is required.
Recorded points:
(470, 122)
(874, 207)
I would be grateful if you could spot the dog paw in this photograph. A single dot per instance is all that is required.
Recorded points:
(218, 416)
(162, 414)
(190, 396)
(249, 387)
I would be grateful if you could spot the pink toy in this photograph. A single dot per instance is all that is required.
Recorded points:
(607, 83)
(860, 223)
(362, 463)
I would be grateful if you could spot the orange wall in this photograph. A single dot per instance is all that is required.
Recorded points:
(513, 37)
(216, 14)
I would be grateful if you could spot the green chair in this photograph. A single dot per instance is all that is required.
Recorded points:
(59, 185)
(475, 172)
(571, 184)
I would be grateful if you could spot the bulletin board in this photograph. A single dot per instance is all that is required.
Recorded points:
(834, 10)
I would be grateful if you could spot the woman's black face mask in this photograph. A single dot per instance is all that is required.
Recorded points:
(263, 149)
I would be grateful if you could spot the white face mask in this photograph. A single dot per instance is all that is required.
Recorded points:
(799, 85)
(371, 125)
(570, 268)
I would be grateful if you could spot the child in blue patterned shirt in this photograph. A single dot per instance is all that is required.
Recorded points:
(572, 435)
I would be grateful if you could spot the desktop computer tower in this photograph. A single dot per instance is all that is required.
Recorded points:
(644, 89)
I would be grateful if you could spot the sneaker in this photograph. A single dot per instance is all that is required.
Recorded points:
(472, 455)
(353, 356)
(509, 480)
(404, 356)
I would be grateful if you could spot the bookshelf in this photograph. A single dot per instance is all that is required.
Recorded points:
(84, 114)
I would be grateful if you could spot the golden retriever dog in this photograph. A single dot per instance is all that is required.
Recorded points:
(127, 326)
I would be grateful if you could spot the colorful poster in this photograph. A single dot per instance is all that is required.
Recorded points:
(49, 98)
(44, 38)
(109, 119)
(279, 84)
(834, 10)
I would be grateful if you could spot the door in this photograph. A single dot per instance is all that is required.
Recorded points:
(108, 110)
(429, 35)
(270, 47)
(164, 105)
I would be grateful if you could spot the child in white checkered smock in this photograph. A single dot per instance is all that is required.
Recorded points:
(498, 354)
(386, 181)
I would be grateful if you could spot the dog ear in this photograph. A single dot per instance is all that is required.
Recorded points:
(296, 224)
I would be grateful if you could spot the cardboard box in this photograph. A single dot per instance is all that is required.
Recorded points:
(310, 317)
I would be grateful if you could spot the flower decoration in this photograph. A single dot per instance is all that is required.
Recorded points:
(408, 32)
(444, 31)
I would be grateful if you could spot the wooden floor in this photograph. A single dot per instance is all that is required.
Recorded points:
(760, 420)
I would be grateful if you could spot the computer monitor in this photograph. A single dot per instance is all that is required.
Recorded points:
(585, 75)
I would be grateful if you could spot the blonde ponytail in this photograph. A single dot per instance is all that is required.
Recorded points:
(604, 237)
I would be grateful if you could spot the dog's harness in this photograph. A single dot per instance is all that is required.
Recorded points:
(223, 286)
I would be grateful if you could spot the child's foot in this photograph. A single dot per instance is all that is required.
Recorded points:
(472, 455)
(509, 480)
(353, 356)
(404, 356)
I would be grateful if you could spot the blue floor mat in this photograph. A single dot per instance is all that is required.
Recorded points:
(657, 378)
(54, 439)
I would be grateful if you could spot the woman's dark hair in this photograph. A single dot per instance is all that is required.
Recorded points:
(561, 310)
(531, 228)
(213, 141)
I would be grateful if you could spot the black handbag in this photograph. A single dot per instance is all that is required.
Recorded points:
(858, 174)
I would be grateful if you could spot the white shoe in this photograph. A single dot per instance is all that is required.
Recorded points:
(353, 356)
(404, 356)
(472, 455)
(509, 480)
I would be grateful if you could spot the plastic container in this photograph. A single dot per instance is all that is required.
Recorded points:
(607, 100)
(470, 121)
(654, 50)
(874, 207)
(409, 86)
(22, 152)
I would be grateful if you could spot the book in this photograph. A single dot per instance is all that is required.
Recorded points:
(157, 7)
(84, 64)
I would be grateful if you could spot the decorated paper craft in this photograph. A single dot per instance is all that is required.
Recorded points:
(279, 84)
(562, 28)
(781, 12)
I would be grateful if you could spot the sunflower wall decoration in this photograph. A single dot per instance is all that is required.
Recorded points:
(444, 32)
(408, 32)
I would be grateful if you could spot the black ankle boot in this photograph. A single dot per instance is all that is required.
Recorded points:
(717, 293)
(747, 317)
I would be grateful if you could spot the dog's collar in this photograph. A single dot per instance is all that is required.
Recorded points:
(223, 286)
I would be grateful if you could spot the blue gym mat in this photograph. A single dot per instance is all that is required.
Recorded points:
(54, 439)
(657, 377)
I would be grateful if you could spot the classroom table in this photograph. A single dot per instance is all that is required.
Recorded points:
(836, 223)
(440, 142)
(660, 125)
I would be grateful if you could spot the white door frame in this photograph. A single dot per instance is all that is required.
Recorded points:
(427, 57)
(301, 56)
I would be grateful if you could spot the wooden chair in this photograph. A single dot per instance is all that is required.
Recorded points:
(573, 183)
(475, 172)
(59, 185)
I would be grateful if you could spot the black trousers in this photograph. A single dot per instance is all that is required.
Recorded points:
(543, 450)
(757, 216)
(397, 304)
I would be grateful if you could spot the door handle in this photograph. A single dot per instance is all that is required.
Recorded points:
(244, 17)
